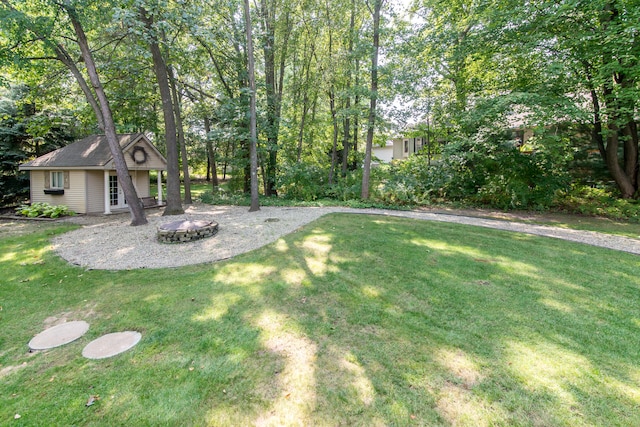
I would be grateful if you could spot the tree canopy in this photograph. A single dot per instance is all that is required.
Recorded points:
(179, 70)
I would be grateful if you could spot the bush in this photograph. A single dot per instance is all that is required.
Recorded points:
(301, 181)
(403, 183)
(348, 187)
(599, 202)
(44, 210)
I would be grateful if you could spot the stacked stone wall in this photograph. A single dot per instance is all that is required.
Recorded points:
(186, 231)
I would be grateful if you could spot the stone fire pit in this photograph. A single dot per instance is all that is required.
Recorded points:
(186, 231)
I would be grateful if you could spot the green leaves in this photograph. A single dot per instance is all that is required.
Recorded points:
(44, 210)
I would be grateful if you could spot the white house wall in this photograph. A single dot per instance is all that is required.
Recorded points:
(385, 154)
(398, 149)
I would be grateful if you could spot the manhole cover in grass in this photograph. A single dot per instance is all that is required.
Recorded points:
(111, 344)
(186, 231)
(59, 335)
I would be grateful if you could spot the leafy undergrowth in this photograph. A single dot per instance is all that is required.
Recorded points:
(352, 320)
(583, 208)
(44, 210)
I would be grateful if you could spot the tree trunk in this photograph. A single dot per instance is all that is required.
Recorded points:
(66, 59)
(374, 97)
(177, 110)
(135, 204)
(211, 157)
(347, 121)
(620, 110)
(305, 101)
(630, 133)
(356, 120)
(334, 146)
(255, 202)
(174, 204)
(617, 172)
(268, 41)
(332, 106)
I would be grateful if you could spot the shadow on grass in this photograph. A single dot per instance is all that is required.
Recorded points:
(353, 320)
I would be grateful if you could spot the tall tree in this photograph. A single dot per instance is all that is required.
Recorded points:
(377, 7)
(274, 82)
(174, 204)
(255, 202)
(135, 204)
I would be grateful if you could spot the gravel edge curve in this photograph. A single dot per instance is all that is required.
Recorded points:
(110, 243)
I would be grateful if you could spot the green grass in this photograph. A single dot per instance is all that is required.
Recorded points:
(197, 189)
(352, 320)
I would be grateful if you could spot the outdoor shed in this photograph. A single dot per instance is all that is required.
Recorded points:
(82, 175)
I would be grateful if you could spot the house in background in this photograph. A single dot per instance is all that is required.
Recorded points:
(83, 177)
(398, 148)
(382, 154)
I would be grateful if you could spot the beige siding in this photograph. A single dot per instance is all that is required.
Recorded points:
(153, 161)
(73, 197)
(95, 191)
(141, 182)
(95, 188)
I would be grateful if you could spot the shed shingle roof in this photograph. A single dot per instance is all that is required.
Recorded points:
(92, 151)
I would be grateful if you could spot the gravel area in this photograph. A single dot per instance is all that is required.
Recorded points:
(110, 243)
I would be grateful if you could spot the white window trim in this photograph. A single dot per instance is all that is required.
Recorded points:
(56, 184)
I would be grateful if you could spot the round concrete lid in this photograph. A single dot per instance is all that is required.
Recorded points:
(185, 225)
(58, 335)
(111, 344)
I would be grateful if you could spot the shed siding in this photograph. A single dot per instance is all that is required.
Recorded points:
(141, 182)
(153, 160)
(95, 188)
(73, 196)
(95, 191)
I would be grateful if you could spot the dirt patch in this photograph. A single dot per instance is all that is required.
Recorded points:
(86, 313)
(12, 228)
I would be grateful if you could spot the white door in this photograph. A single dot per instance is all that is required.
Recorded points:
(116, 195)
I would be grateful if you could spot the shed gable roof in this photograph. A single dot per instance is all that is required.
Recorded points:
(92, 152)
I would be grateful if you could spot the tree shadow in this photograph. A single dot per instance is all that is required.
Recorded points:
(475, 331)
(363, 320)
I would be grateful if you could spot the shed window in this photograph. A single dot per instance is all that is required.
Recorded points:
(406, 145)
(57, 180)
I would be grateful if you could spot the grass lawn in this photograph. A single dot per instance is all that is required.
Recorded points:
(197, 188)
(352, 320)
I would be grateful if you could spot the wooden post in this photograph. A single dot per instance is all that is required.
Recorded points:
(107, 195)
(159, 187)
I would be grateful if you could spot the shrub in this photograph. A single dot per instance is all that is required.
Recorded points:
(222, 197)
(403, 183)
(302, 181)
(44, 210)
(348, 187)
(599, 202)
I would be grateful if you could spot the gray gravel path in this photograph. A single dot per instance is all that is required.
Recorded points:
(109, 243)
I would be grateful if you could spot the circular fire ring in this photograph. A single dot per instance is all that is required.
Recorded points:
(186, 231)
